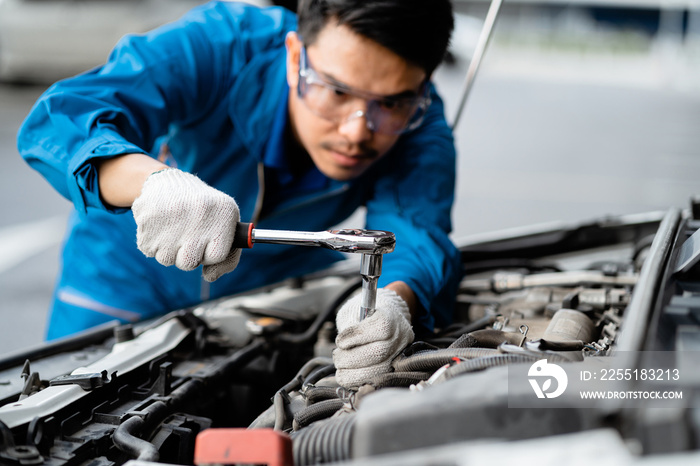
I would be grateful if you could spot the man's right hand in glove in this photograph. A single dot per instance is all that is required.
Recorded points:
(180, 219)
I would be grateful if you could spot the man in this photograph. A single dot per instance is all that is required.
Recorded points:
(301, 126)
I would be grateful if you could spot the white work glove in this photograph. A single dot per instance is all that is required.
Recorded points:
(366, 348)
(182, 221)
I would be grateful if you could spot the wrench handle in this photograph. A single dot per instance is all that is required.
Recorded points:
(347, 240)
(243, 236)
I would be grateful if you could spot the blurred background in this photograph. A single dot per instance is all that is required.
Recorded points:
(581, 109)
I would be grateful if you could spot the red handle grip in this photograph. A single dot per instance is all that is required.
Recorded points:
(243, 236)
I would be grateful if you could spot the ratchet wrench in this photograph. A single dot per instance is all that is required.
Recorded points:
(372, 244)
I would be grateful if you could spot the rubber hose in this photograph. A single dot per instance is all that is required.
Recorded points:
(491, 338)
(185, 392)
(316, 394)
(319, 374)
(441, 342)
(465, 341)
(125, 438)
(313, 329)
(304, 372)
(279, 400)
(223, 370)
(280, 413)
(573, 345)
(316, 412)
(324, 442)
(398, 379)
(478, 364)
(433, 360)
(297, 382)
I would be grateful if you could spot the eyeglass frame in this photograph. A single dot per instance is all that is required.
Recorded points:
(310, 76)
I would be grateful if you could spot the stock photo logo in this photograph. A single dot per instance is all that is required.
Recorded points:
(546, 372)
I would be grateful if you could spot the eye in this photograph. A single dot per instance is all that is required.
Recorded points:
(339, 92)
(388, 104)
(396, 105)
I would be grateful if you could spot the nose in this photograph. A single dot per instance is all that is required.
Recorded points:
(356, 127)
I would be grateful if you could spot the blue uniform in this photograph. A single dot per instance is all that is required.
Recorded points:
(212, 88)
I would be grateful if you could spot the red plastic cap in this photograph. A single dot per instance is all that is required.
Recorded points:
(232, 446)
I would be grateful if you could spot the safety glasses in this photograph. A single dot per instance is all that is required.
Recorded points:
(338, 103)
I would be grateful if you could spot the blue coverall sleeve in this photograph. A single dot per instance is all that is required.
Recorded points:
(170, 76)
(414, 201)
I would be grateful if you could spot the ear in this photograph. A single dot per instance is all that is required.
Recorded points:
(293, 45)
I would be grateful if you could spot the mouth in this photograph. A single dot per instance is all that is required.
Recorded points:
(345, 160)
(351, 160)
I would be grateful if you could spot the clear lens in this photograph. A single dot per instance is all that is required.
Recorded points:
(337, 104)
(326, 102)
(398, 117)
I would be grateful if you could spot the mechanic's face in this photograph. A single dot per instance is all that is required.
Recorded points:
(338, 138)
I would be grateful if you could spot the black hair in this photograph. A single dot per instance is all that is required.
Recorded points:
(417, 30)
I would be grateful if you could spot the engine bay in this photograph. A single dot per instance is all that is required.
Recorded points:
(263, 361)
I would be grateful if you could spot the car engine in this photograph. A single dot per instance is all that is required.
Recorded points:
(255, 371)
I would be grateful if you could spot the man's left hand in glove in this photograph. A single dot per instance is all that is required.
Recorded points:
(366, 348)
